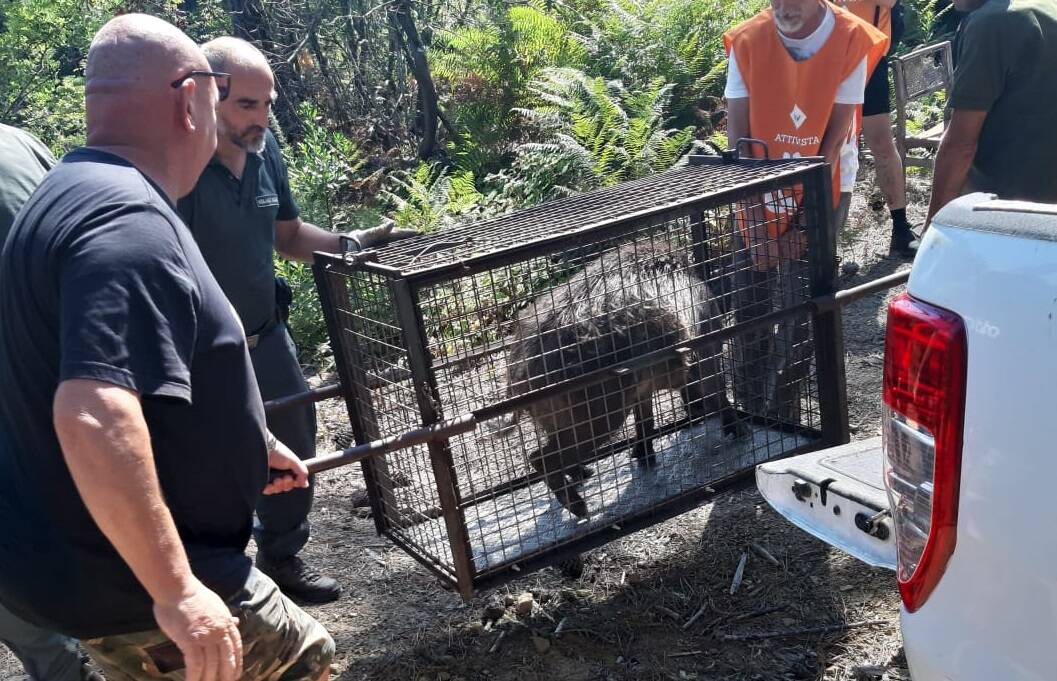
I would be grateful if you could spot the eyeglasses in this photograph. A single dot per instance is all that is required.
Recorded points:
(223, 81)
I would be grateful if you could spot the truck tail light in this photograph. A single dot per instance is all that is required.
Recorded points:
(924, 405)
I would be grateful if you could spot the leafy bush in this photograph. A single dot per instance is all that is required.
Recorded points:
(594, 133)
(430, 197)
(325, 168)
(927, 21)
(43, 45)
(485, 67)
(679, 42)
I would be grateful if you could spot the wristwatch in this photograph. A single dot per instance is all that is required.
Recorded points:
(271, 442)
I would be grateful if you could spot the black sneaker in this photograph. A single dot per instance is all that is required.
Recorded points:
(904, 242)
(297, 580)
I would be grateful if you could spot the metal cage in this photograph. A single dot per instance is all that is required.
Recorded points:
(541, 383)
(916, 75)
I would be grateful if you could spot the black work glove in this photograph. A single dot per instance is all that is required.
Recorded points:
(382, 234)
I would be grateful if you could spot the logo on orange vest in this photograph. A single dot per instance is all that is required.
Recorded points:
(798, 116)
(812, 141)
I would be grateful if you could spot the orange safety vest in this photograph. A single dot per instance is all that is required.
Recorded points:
(790, 102)
(873, 14)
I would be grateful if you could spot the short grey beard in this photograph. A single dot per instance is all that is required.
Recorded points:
(256, 148)
(789, 29)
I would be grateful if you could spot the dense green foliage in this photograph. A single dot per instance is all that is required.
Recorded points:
(537, 99)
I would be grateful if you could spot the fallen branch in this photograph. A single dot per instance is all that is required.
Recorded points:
(558, 629)
(739, 573)
(756, 613)
(765, 554)
(822, 629)
(695, 616)
(687, 654)
(668, 611)
(498, 640)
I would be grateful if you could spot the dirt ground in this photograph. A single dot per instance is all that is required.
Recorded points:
(654, 605)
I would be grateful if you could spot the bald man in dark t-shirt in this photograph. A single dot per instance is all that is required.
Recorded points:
(133, 447)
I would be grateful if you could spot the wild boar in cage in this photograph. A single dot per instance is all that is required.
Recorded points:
(639, 298)
(588, 327)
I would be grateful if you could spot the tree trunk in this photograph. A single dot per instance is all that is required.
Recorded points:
(249, 22)
(429, 107)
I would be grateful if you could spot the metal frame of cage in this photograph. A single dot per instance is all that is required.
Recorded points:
(436, 429)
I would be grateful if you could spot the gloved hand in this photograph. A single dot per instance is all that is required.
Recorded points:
(383, 233)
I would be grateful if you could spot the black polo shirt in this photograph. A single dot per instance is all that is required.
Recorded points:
(101, 280)
(1007, 66)
(233, 222)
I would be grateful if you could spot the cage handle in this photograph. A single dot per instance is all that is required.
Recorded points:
(749, 143)
(418, 436)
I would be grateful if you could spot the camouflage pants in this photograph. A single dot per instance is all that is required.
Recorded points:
(280, 642)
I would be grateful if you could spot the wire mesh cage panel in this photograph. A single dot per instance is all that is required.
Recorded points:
(619, 356)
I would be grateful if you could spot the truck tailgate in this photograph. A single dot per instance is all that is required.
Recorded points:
(838, 495)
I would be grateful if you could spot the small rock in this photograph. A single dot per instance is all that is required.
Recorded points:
(524, 604)
(850, 268)
(509, 600)
(541, 644)
(492, 612)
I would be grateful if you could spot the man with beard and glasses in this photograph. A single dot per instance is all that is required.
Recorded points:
(241, 212)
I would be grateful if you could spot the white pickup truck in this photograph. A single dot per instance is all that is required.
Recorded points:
(958, 495)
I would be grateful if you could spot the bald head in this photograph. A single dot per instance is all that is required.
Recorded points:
(229, 54)
(242, 118)
(141, 99)
(135, 51)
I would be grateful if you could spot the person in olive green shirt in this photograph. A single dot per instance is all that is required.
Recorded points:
(1002, 136)
(23, 162)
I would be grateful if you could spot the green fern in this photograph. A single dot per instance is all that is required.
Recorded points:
(430, 197)
(484, 72)
(591, 123)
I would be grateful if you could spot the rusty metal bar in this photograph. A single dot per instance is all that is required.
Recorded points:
(850, 295)
(418, 436)
(324, 392)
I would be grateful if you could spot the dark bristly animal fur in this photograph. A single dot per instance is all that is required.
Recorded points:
(633, 300)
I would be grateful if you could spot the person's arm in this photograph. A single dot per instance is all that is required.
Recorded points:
(107, 448)
(737, 121)
(297, 240)
(840, 122)
(954, 158)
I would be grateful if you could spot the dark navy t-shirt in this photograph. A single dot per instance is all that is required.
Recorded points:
(100, 279)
